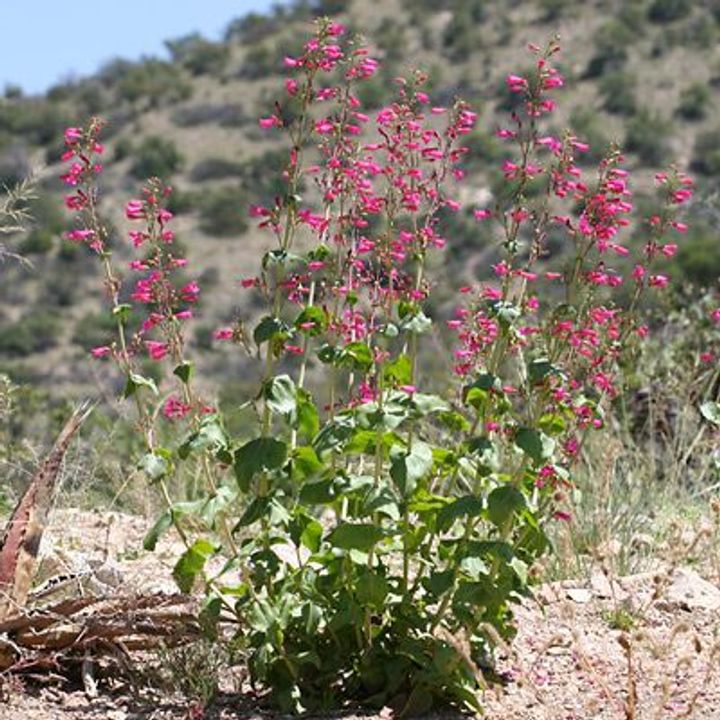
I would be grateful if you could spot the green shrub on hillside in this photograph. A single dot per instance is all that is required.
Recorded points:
(156, 157)
(706, 153)
(223, 212)
(618, 92)
(154, 81)
(216, 169)
(33, 333)
(198, 55)
(611, 44)
(662, 11)
(647, 135)
(694, 102)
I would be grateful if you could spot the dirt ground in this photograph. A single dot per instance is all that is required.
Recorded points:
(643, 647)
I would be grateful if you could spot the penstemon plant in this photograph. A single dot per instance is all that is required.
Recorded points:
(374, 524)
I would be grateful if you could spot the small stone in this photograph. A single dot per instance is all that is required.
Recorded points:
(579, 595)
(688, 590)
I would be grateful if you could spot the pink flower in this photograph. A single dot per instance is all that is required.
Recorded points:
(135, 210)
(223, 334)
(101, 351)
(482, 214)
(269, 122)
(716, 315)
(409, 389)
(175, 409)
(156, 350)
(658, 281)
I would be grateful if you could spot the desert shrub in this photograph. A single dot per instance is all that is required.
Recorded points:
(618, 93)
(251, 28)
(647, 135)
(611, 43)
(706, 153)
(154, 81)
(182, 201)
(216, 169)
(198, 55)
(14, 165)
(553, 10)
(588, 126)
(698, 258)
(463, 36)
(663, 11)
(35, 332)
(227, 115)
(260, 61)
(391, 38)
(223, 212)
(156, 157)
(94, 329)
(694, 102)
(123, 148)
(39, 241)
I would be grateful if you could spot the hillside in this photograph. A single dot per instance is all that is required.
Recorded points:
(644, 74)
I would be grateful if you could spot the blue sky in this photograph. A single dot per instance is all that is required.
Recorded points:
(46, 41)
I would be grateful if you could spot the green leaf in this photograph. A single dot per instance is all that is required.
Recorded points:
(372, 589)
(305, 530)
(335, 434)
(408, 467)
(468, 506)
(355, 536)
(156, 464)
(161, 526)
(535, 444)
(191, 564)
(258, 455)
(399, 370)
(280, 393)
(135, 381)
(312, 314)
(503, 503)
(418, 324)
(123, 312)
(184, 371)
(357, 355)
(428, 404)
(257, 509)
(439, 582)
(305, 462)
(539, 369)
(211, 434)
(268, 329)
(552, 423)
(308, 418)
(711, 412)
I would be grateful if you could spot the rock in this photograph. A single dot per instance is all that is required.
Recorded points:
(579, 595)
(605, 588)
(688, 590)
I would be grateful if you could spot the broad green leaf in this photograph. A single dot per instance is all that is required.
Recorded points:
(408, 467)
(191, 564)
(210, 435)
(314, 315)
(184, 371)
(711, 412)
(257, 509)
(156, 464)
(418, 324)
(268, 329)
(335, 434)
(308, 418)
(357, 355)
(535, 444)
(428, 404)
(355, 536)
(503, 503)
(372, 589)
(468, 506)
(399, 370)
(135, 381)
(258, 455)
(280, 394)
(305, 463)
(539, 369)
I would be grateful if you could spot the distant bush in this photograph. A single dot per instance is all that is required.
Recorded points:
(229, 115)
(35, 332)
(123, 148)
(553, 10)
(251, 28)
(181, 201)
(216, 169)
(38, 242)
(14, 165)
(153, 80)
(94, 329)
(618, 92)
(589, 127)
(198, 55)
(260, 61)
(156, 157)
(223, 212)
(706, 153)
(647, 136)
(462, 36)
(391, 39)
(611, 43)
(694, 102)
(662, 11)
(698, 257)
(37, 121)
(484, 149)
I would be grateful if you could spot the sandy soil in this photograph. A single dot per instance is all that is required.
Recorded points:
(570, 661)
